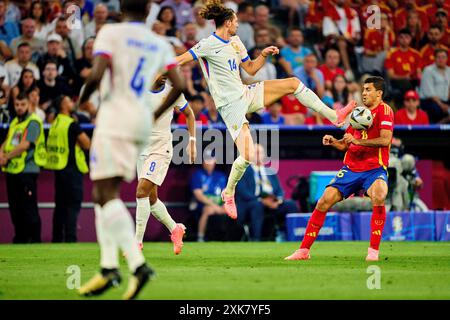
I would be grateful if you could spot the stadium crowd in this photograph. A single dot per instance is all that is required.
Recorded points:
(46, 50)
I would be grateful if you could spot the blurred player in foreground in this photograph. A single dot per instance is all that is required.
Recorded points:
(221, 56)
(128, 57)
(154, 162)
(365, 167)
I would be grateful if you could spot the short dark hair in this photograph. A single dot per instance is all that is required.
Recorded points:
(57, 102)
(242, 7)
(197, 97)
(53, 61)
(435, 26)
(23, 44)
(294, 29)
(134, 7)
(22, 94)
(378, 82)
(405, 31)
(437, 51)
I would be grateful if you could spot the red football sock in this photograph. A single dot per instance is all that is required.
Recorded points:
(312, 230)
(377, 226)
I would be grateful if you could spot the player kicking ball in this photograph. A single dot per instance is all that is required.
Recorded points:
(128, 56)
(365, 163)
(153, 164)
(221, 56)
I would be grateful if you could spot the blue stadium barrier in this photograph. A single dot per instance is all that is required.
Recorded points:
(400, 226)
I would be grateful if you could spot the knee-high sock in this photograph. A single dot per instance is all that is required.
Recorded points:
(312, 230)
(160, 212)
(142, 215)
(377, 226)
(310, 100)
(108, 247)
(236, 173)
(120, 226)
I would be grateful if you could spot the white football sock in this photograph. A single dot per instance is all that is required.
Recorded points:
(310, 100)
(142, 215)
(108, 248)
(236, 173)
(120, 226)
(159, 211)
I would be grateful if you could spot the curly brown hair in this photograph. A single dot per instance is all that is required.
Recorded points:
(215, 10)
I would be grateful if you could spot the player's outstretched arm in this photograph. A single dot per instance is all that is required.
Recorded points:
(184, 58)
(384, 140)
(253, 66)
(92, 82)
(178, 87)
(340, 145)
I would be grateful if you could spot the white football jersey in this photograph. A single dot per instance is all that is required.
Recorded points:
(161, 130)
(219, 60)
(136, 56)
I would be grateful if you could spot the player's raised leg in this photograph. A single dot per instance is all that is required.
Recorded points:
(276, 89)
(377, 193)
(329, 198)
(245, 146)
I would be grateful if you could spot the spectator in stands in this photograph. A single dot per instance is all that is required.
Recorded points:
(340, 92)
(204, 27)
(245, 31)
(113, 8)
(411, 114)
(401, 15)
(342, 28)
(435, 87)
(262, 21)
(273, 114)
(33, 96)
(51, 85)
(259, 191)
(432, 8)
(71, 46)
(86, 8)
(65, 143)
(84, 64)
(267, 72)
(434, 36)
(8, 29)
(12, 12)
(331, 67)
(310, 75)
(181, 9)
(207, 185)
(37, 45)
(25, 81)
(442, 21)
(73, 28)
(211, 111)
(5, 52)
(403, 65)
(197, 104)
(414, 26)
(161, 29)
(100, 18)
(189, 36)
(167, 16)
(15, 66)
(377, 43)
(42, 28)
(294, 52)
(191, 90)
(21, 154)
(56, 53)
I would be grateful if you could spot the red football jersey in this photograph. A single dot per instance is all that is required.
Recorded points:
(360, 158)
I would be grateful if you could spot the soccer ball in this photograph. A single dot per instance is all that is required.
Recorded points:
(361, 118)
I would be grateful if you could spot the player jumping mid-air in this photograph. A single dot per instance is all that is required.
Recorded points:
(154, 162)
(128, 56)
(365, 164)
(220, 56)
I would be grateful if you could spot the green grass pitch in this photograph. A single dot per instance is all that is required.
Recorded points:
(337, 270)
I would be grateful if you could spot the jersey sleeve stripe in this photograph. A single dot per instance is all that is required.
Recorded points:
(184, 107)
(193, 54)
(245, 59)
(386, 123)
(105, 54)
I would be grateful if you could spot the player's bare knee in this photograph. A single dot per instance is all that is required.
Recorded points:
(378, 197)
(153, 196)
(293, 84)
